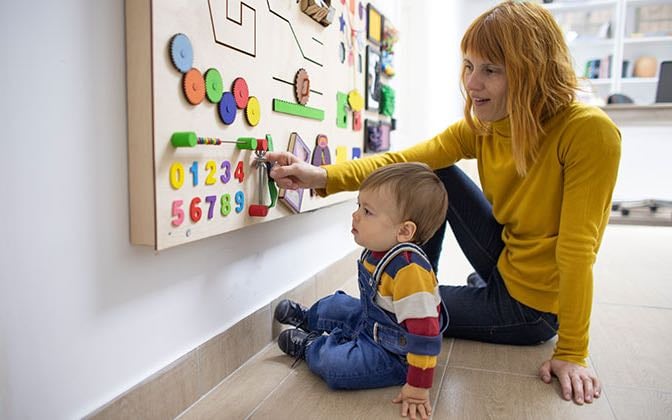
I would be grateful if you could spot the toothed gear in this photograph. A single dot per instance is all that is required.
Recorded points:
(194, 86)
(181, 53)
(253, 111)
(227, 108)
(240, 92)
(214, 88)
(302, 86)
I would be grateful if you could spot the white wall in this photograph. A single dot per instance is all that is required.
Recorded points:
(84, 314)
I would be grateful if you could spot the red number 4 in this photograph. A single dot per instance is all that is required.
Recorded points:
(239, 174)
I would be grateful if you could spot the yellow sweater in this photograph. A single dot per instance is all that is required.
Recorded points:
(553, 218)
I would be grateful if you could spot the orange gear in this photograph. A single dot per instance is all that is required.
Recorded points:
(194, 86)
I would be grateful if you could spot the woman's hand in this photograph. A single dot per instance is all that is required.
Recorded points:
(414, 400)
(574, 379)
(291, 173)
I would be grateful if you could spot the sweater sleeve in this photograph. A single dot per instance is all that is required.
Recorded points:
(444, 149)
(590, 159)
(415, 300)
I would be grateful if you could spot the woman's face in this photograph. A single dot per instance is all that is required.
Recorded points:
(485, 83)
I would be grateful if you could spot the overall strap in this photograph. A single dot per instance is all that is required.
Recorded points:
(393, 252)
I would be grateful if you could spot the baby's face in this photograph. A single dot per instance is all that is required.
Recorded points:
(375, 223)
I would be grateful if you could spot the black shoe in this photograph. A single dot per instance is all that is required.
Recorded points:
(474, 280)
(291, 313)
(294, 342)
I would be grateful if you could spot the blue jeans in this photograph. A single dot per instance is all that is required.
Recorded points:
(489, 313)
(349, 358)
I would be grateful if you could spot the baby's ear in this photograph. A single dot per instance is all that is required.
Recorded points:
(406, 231)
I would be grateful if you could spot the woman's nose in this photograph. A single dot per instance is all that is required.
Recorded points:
(472, 82)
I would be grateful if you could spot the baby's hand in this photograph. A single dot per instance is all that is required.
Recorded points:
(414, 400)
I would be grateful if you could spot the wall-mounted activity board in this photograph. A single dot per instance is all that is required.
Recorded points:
(215, 84)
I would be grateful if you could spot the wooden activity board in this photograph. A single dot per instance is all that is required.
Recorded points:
(212, 85)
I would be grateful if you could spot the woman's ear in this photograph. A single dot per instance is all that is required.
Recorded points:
(406, 231)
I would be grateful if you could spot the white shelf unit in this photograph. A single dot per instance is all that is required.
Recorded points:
(616, 30)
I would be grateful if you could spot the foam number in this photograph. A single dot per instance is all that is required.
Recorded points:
(176, 175)
(240, 200)
(239, 174)
(194, 173)
(211, 199)
(226, 166)
(211, 168)
(177, 213)
(225, 204)
(194, 211)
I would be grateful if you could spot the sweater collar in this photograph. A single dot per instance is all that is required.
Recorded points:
(502, 128)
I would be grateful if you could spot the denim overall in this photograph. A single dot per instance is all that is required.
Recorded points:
(366, 346)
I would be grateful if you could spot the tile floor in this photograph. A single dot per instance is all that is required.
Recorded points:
(631, 340)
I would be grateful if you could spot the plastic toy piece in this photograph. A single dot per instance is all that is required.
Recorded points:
(357, 120)
(341, 154)
(341, 110)
(253, 111)
(181, 52)
(319, 10)
(356, 153)
(302, 86)
(227, 108)
(321, 153)
(258, 210)
(268, 192)
(214, 88)
(194, 86)
(355, 100)
(387, 100)
(190, 139)
(240, 92)
(297, 110)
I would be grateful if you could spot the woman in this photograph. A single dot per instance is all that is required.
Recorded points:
(547, 166)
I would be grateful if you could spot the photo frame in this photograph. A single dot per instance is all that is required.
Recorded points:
(372, 78)
(377, 136)
(374, 24)
(294, 198)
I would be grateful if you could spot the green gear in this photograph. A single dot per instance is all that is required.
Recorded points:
(214, 88)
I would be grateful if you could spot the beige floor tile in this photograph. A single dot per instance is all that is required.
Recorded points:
(630, 346)
(245, 389)
(633, 266)
(472, 394)
(305, 396)
(524, 360)
(629, 403)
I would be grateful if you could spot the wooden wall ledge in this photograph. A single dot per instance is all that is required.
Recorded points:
(627, 114)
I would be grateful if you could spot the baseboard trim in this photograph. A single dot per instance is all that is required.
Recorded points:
(176, 387)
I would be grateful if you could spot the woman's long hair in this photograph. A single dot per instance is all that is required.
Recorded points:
(527, 41)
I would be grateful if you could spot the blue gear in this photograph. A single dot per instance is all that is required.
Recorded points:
(181, 53)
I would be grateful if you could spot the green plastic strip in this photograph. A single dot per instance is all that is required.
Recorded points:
(297, 109)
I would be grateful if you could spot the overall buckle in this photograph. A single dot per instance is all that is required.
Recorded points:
(375, 331)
